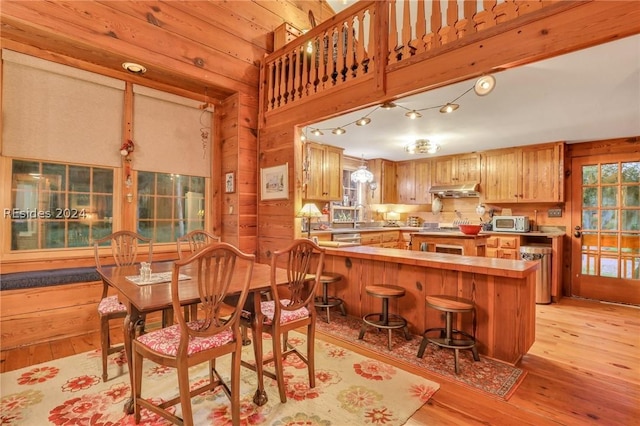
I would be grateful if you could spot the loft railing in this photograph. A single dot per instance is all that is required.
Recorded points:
(342, 50)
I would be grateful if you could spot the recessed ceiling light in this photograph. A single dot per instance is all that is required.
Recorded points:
(134, 68)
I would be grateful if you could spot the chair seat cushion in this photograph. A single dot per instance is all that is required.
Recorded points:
(268, 310)
(166, 340)
(110, 305)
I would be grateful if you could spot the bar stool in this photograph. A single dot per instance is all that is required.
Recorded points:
(384, 319)
(325, 301)
(451, 305)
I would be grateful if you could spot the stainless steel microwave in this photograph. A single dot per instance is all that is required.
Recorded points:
(510, 223)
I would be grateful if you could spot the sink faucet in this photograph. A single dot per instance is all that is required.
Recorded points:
(364, 209)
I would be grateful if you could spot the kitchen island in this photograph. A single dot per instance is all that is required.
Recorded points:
(454, 242)
(503, 291)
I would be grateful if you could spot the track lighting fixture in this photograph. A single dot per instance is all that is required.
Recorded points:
(482, 87)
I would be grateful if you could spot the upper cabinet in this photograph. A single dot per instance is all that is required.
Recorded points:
(522, 175)
(384, 172)
(413, 182)
(325, 172)
(456, 169)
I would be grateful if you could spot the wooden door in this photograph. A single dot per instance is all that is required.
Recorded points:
(605, 221)
(502, 176)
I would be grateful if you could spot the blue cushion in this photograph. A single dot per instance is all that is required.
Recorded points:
(34, 279)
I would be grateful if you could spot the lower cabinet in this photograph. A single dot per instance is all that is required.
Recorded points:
(503, 247)
(387, 239)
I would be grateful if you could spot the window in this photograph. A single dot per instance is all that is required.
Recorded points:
(169, 205)
(56, 206)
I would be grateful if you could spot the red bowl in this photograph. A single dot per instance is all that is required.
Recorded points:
(470, 229)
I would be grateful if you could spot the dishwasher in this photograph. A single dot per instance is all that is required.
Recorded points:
(347, 238)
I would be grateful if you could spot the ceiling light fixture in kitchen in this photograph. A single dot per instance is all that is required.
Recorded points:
(362, 175)
(422, 146)
(482, 87)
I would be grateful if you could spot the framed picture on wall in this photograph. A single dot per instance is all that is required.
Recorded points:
(274, 182)
(229, 183)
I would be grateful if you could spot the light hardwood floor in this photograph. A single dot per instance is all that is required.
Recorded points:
(583, 369)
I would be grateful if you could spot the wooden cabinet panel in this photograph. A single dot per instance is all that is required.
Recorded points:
(456, 169)
(503, 247)
(414, 180)
(325, 172)
(368, 238)
(524, 175)
(384, 172)
(544, 168)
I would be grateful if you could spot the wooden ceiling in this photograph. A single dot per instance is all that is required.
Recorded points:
(186, 46)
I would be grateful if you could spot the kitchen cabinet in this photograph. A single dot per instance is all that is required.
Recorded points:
(456, 169)
(524, 175)
(413, 182)
(384, 172)
(325, 172)
(503, 247)
(387, 239)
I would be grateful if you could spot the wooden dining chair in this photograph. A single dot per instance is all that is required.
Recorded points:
(292, 308)
(195, 241)
(188, 244)
(220, 269)
(125, 247)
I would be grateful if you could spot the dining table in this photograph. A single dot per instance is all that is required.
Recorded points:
(142, 299)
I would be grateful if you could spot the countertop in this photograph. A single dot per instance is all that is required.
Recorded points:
(420, 230)
(454, 262)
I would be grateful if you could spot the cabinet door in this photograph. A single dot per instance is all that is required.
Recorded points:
(316, 171)
(501, 178)
(406, 182)
(544, 180)
(467, 169)
(422, 175)
(387, 186)
(332, 181)
(443, 171)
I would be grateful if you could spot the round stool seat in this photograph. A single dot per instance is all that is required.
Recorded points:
(389, 291)
(330, 277)
(450, 303)
(384, 319)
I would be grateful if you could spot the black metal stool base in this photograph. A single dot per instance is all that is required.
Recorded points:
(328, 303)
(466, 342)
(384, 321)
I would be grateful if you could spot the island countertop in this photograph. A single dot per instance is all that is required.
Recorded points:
(452, 262)
(503, 291)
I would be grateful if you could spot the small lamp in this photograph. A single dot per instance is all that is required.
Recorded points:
(308, 211)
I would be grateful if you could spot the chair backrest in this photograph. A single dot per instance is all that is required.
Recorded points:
(195, 241)
(219, 269)
(303, 260)
(124, 248)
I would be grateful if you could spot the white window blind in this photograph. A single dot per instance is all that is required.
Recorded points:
(58, 113)
(167, 133)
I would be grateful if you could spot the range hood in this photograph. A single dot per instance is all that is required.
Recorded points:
(466, 190)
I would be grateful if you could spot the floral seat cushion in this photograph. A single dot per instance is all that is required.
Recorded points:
(268, 310)
(166, 340)
(110, 305)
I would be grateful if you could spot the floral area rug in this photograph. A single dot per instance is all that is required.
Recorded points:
(496, 378)
(350, 390)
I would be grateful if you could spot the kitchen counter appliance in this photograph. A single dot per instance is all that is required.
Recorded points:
(510, 224)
